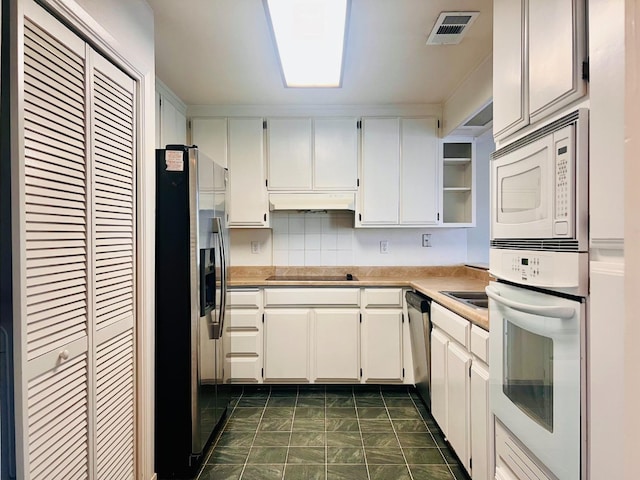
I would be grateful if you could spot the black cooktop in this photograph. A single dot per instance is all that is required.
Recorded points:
(312, 278)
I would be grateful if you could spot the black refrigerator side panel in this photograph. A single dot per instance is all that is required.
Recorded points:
(173, 316)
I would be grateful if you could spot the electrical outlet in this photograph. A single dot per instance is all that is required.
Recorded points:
(384, 246)
(426, 239)
(255, 247)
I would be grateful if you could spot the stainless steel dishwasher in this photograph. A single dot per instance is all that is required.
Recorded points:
(419, 307)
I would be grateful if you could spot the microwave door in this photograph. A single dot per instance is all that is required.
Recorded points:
(522, 204)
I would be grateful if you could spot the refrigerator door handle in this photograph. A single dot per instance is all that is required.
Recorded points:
(218, 233)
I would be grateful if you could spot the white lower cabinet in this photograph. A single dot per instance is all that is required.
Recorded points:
(382, 345)
(460, 389)
(287, 345)
(243, 337)
(336, 340)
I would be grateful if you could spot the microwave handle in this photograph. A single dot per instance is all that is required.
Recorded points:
(544, 311)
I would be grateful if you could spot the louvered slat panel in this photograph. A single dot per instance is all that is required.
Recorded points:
(55, 193)
(57, 421)
(115, 406)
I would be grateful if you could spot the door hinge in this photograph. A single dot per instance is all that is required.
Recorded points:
(438, 123)
(265, 217)
(266, 182)
(438, 216)
(263, 318)
(359, 124)
(403, 373)
(264, 124)
(469, 371)
(262, 372)
(360, 318)
(360, 373)
(585, 70)
(358, 182)
(360, 216)
(470, 463)
(160, 98)
(189, 124)
(402, 317)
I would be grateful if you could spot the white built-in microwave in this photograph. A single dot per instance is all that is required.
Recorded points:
(539, 206)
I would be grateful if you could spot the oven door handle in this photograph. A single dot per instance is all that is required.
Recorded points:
(545, 311)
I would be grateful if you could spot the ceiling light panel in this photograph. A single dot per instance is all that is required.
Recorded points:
(310, 38)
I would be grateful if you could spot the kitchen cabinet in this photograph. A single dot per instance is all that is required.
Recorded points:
(287, 345)
(243, 337)
(481, 434)
(399, 165)
(290, 155)
(382, 339)
(336, 340)
(248, 201)
(439, 345)
(210, 135)
(459, 401)
(171, 121)
(319, 154)
(458, 182)
(538, 58)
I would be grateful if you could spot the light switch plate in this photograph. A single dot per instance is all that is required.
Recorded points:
(384, 246)
(255, 247)
(426, 239)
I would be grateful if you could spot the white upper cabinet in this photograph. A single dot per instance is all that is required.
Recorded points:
(210, 135)
(335, 162)
(539, 50)
(173, 123)
(510, 112)
(380, 169)
(248, 203)
(418, 171)
(289, 146)
(399, 172)
(313, 154)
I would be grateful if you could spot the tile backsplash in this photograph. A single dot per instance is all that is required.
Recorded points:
(305, 239)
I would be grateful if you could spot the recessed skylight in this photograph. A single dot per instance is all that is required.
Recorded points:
(310, 38)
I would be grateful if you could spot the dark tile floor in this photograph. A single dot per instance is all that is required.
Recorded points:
(330, 433)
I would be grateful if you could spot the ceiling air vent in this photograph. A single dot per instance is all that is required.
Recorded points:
(451, 27)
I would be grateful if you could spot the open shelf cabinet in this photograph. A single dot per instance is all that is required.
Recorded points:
(458, 172)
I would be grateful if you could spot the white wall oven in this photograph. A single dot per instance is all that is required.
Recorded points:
(537, 306)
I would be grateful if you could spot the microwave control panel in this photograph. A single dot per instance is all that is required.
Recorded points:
(564, 168)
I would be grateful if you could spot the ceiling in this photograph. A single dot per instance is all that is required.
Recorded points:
(220, 52)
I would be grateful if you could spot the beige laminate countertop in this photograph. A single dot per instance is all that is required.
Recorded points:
(427, 280)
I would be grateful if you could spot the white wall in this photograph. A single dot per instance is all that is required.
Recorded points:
(478, 237)
(329, 239)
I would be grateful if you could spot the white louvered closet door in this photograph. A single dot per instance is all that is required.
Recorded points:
(113, 162)
(76, 402)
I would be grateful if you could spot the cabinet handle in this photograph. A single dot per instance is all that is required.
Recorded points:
(63, 355)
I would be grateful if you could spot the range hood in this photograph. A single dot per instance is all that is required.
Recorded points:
(312, 201)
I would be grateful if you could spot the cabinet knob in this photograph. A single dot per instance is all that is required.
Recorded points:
(63, 355)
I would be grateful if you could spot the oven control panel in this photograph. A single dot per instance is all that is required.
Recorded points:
(561, 271)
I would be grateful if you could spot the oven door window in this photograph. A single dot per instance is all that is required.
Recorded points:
(528, 373)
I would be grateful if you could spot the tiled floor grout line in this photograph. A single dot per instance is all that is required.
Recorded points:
(434, 439)
(264, 409)
(293, 419)
(364, 450)
(326, 442)
(406, 463)
(219, 435)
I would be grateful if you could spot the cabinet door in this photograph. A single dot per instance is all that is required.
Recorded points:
(382, 345)
(458, 364)
(210, 135)
(380, 188)
(439, 343)
(335, 163)
(243, 345)
(556, 51)
(481, 438)
(418, 167)
(510, 104)
(173, 124)
(248, 204)
(337, 345)
(289, 153)
(286, 345)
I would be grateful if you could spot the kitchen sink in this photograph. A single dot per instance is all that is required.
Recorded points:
(473, 299)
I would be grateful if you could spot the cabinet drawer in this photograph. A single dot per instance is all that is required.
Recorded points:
(244, 319)
(244, 342)
(244, 298)
(382, 297)
(451, 323)
(242, 369)
(284, 297)
(480, 343)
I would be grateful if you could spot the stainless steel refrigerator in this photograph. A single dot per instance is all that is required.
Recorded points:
(191, 295)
